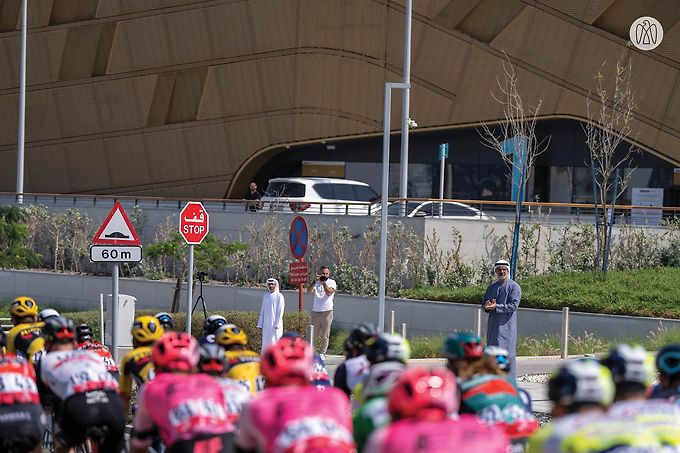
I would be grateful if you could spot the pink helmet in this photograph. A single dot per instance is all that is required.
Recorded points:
(420, 392)
(287, 362)
(175, 351)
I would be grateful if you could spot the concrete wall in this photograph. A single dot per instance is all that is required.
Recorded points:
(422, 317)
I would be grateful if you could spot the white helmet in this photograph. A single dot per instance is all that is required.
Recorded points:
(47, 313)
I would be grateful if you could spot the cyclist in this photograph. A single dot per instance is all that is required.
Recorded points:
(186, 409)
(290, 414)
(485, 391)
(502, 359)
(24, 338)
(213, 362)
(244, 364)
(166, 321)
(210, 327)
(85, 340)
(137, 366)
(633, 371)
(382, 348)
(668, 364)
(420, 404)
(83, 394)
(355, 367)
(581, 391)
(20, 410)
(47, 313)
(373, 413)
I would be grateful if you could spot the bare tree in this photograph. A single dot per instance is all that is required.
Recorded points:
(519, 124)
(608, 127)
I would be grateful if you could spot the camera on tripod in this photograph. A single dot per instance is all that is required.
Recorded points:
(201, 276)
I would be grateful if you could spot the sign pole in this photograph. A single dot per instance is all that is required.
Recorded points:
(190, 282)
(443, 154)
(114, 312)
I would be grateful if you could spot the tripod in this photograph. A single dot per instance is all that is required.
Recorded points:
(200, 298)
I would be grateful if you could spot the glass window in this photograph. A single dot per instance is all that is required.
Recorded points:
(365, 193)
(451, 210)
(427, 210)
(325, 191)
(285, 189)
(344, 192)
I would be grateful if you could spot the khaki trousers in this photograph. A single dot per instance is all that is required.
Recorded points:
(321, 320)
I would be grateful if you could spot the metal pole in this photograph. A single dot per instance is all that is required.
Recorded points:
(114, 312)
(564, 343)
(190, 282)
(392, 322)
(310, 335)
(383, 203)
(403, 181)
(101, 317)
(441, 178)
(403, 330)
(478, 322)
(22, 107)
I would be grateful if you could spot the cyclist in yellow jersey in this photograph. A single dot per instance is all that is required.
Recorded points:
(244, 364)
(24, 338)
(137, 366)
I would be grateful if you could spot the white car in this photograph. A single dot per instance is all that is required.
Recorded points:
(320, 196)
(430, 209)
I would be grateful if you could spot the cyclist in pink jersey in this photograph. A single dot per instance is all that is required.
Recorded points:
(421, 405)
(185, 409)
(290, 415)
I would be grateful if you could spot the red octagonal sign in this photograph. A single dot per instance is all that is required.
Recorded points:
(193, 222)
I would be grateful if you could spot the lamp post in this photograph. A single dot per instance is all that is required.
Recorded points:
(382, 272)
(403, 179)
(22, 107)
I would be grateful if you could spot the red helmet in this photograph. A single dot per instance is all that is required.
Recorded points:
(175, 351)
(287, 362)
(420, 391)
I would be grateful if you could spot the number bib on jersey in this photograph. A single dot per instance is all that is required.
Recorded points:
(310, 429)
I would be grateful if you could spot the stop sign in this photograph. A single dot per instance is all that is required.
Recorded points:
(193, 222)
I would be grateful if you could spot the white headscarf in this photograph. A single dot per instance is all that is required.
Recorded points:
(276, 285)
(500, 263)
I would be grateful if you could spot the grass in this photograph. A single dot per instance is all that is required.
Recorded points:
(640, 292)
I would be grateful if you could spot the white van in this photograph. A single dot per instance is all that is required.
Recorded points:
(320, 196)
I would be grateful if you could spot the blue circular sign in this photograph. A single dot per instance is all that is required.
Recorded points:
(298, 237)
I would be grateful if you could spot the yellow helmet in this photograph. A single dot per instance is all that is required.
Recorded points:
(230, 334)
(146, 329)
(23, 306)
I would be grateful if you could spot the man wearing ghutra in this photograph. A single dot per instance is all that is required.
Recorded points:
(501, 302)
(271, 314)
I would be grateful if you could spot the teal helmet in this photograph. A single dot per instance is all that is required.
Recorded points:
(463, 345)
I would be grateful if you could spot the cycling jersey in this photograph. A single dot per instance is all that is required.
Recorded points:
(182, 407)
(288, 419)
(25, 340)
(17, 381)
(235, 397)
(440, 436)
(244, 368)
(661, 417)
(351, 372)
(103, 352)
(69, 372)
(136, 367)
(496, 401)
(373, 414)
(20, 410)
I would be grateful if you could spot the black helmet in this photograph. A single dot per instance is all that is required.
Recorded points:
(213, 360)
(213, 323)
(58, 329)
(84, 333)
(358, 336)
(166, 320)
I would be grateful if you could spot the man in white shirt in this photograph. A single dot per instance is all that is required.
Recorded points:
(322, 312)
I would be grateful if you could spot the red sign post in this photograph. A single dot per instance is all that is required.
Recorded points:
(193, 226)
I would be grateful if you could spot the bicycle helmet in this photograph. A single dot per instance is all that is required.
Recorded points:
(387, 347)
(212, 360)
(213, 323)
(381, 379)
(23, 306)
(230, 334)
(420, 391)
(166, 320)
(463, 345)
(3, 339)
(287, 362)
(630, 365)
(581, 381)
(500, 355)
(668, 361)
(47, 313)
(146, 329)
(58, 330)
(84, 333)
(358, 336)
(175, 351)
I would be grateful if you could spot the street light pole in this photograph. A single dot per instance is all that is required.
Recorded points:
(22, 107)
(403, 179)
(382, 272)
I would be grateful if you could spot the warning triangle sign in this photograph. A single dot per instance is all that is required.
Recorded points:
(116, 229)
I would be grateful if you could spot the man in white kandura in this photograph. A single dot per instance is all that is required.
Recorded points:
(271, 314)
